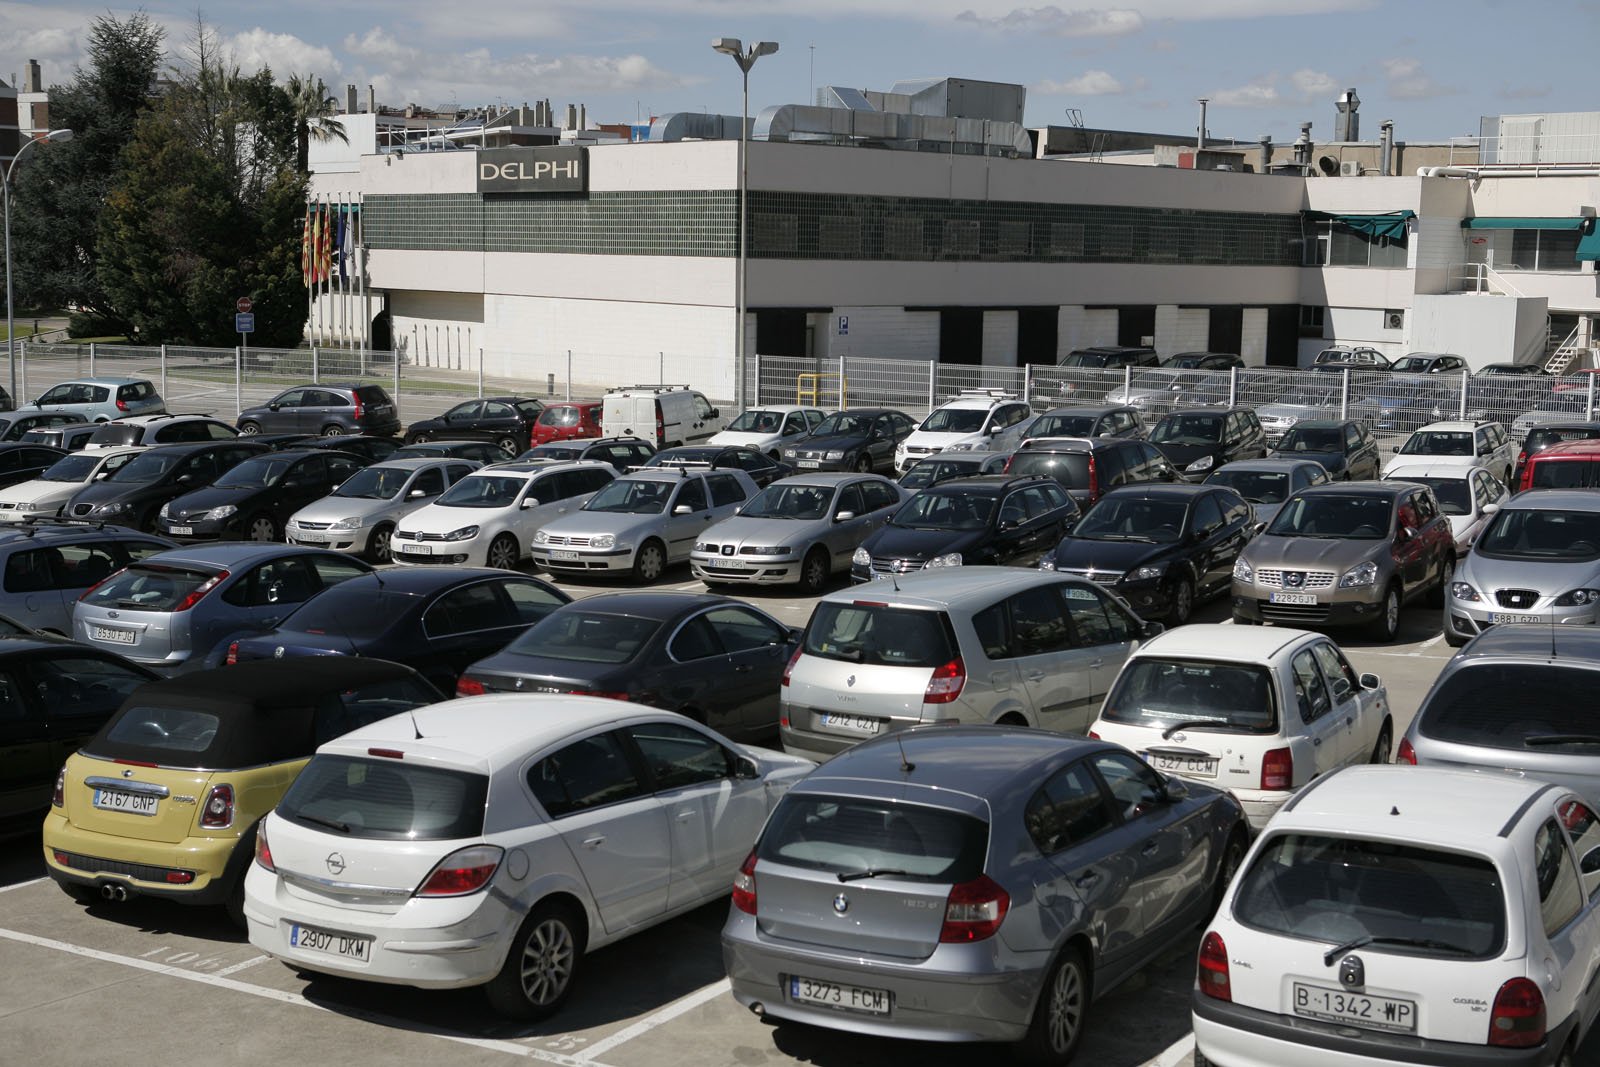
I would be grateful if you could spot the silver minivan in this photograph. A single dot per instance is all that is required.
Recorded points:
(971, 644)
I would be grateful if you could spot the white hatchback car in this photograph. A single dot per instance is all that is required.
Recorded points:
(49, 493)
(768, 429)
(1468, 496)
(977, 418)
(1257, 711)
(1399, 915)
(489, 518)
(1471, 444)
(494, 841)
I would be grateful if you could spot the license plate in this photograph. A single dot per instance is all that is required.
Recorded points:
(132, 803)
(849, 724)
(809, 464)
(116, 637)
(182, 531)
(324, 943)
(1356, 1009)
(1196, 766)
(1500, 618)
(416, 550)
(839, 997)
(310, 538)
(1307, 599)
(563, 553)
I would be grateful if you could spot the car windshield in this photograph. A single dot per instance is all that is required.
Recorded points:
(1133, 519)
(149, 466)
(583, 636)
(788, 500)
(1454, 494)
(1412, 365)
(843, 424)
(1438, 443)
(560, 415)
(386, 799)
(1258, 487)
(878, 635)
(632, 496)
(483, 491)
(1064, 426)
(930, 510)
(1542, 534)
(258, 473)
(758, 422)
(77, 468)
(1162, 693)
(1071, 469)
(955, 420)
(855, 836)
(1409, 899)
(928, 472)
(1335, 515)
(1187, 430)
(1313, 439)
(561, 452)
(1084, 359)
(1156, 379)
(374, 483)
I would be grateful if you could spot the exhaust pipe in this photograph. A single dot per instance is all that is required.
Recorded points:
(117, 893)
(758, 1009)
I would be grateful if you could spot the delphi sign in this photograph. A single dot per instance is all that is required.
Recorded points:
(532, 170)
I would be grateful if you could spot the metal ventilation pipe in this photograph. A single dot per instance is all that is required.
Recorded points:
(1200, 140)
(1266, 153)
(1347, 124)
(1302, 145)
(1386, 147)
(350, 98)
(583, 116)
(572, 117)
(372, 100)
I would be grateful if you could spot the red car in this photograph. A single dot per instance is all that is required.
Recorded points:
(567, 421)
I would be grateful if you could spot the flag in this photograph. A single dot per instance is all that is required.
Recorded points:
(305, 249)
(347, 255)
(325, 245)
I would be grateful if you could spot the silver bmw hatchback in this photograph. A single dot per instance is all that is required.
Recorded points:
(973, 883)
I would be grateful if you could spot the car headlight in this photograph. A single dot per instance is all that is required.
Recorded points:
(699, 546)
(466, 533)
(1577, 597)
(1204, 463)
(791, 453)
(1464, 591)
(540, 537)
(949, 559)
(1147, 572)
(1242, 571)
(222, 512)
(165, 513)
(1360, 576)
(766, 550)
(37, 507)
(113, 508)
(862, 558)
(603, 541)
(1046, 563)
(834, 455)
(961, 446)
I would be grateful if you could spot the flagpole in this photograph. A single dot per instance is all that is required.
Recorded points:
(361, 280)
(305, 268)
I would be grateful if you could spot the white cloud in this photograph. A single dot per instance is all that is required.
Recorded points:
(285, 53)
(1313, 84)
(1305, 86)
(1255, 95)
(1408, 81)
(1055, 22)
(1089, 83)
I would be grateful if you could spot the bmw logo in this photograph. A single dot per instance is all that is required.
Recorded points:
(841, 904)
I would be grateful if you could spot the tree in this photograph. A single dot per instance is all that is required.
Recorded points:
(313, 117)
(60, 190)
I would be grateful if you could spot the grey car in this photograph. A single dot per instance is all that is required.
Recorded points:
(46, 564)
(1280, 416)
(1267, 483)
(1515, 698)
(801, 530)
(973, 884)
(360, 515)
(942, 466)
(329, 410)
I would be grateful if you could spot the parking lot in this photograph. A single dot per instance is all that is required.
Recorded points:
(144, 980)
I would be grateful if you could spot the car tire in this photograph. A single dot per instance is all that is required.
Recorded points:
(541, 967)
(1454, 640)
(1387, 625)
(814, 572)
(379, 545)
(649, 562)
(864, 463)
(1440, 594)
(503, 553)
(261, 528)
(248, 428)
(333, 429)
(1182, 603)
(233, 906)
(1241, 620)
(509, 444)
(1056, 1030)
(1383, 749)
(416, 438)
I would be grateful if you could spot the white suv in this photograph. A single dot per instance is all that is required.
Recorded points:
(1400, 915)
(1471, 444)
(976, 417)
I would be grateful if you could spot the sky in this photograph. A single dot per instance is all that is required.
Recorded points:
(1434, 66)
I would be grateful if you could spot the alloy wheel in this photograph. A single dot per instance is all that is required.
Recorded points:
(503, 553)
(1066, 1007)
(547, 957)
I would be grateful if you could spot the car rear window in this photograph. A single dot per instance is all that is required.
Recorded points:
(1559, 472)
(148, 588)
(1409, 898)
(112, 434)
(357, 610)
(853, 835)
(878, 635)
(1069, 468)
(586, 637)
(1162, 693)
(1522, 707)
(176, 730)
(386, 799)
(350, 709)
(373, 395)
(559, 416)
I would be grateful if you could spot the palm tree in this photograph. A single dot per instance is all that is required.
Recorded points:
(314, 112)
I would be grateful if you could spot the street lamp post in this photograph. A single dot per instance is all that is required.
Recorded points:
(732, 46)
(5, 196)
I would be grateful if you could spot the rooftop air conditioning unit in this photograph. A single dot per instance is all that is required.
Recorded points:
(1350, 168)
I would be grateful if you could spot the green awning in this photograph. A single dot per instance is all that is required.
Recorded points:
(1589, 245)
(1493, 223)
(1391, 224)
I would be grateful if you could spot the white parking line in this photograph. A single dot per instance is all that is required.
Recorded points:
(282, 997)
(237, 967)
(684, 1003)
(1174, 1053)
(22, 885)
(1434, 640)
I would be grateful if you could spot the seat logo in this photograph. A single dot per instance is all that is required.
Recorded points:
(841, 904)
(277, 653)
(335, 863)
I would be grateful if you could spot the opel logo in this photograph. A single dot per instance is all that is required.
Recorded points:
(850, 680)
(1352, 973)
(841, 904)
(113, 615)
(277, 653)
(128, 773)
(335, 863)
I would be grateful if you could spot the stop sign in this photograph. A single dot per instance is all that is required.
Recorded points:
(243, 305)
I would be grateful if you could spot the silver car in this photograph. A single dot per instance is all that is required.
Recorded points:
(973, 884)
(360, 515)
(1152, 392)
(641, 523)
(800, 530)
(1537, 561)
(1267, 483)
(1279, 417)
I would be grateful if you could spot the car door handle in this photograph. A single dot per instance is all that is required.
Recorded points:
(1150, 848)
(1086, 879)
(1097, 662)
(743, 668)
(1350, 720)
(595, 841)
(685, 815)
(1035, 676)
(1315, 741)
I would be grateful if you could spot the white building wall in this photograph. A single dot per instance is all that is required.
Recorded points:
(1253, 337)
(1481, 328)
(1180, 329)
(999, 338)
(884, 333)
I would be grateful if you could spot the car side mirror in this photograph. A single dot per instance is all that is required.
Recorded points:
(529, 502)
(844, 516)
(1175, 789)
(1490, 509)
(1407, 533)
(795, 633)
(182, 479)
(746, 769)
(1152, 629)
(683, 509)
(1255, 530)
(716, 413)
(273, 407)
(1370, 681)
(1395, 449)
(416, 494)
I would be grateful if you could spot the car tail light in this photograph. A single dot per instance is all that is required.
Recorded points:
(233, 654)
(469, 687)
(1211, 969)
(179, 877)
(1407, 754)
(1518, 1017)
(114, 574)
(217, 813)
(789, 667)
(1094, 479)
(122, 405)
(1277, 769)
(946, 683)
(58, 799)
(974, 911)
(1093, 736)
(661, 426)
(744, 885)
(1526, 481)
(1010, 460)
(355, 398)
(200, 591)
(264, 850)
(386, 753)
(466, 870)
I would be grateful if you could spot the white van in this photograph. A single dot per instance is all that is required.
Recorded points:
(664, 415)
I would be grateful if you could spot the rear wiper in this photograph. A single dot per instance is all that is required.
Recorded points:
(332, 824)
(1562, 739)
(1418, 942)
(870, 872)
(1209, 724)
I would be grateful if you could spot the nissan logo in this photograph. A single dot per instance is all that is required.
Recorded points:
(841, 904)
(335, 863)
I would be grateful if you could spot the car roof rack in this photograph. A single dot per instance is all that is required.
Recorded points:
(657, 387)
(34, 523)
(1058, 442)
(994, 394)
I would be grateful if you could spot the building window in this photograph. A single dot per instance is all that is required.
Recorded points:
(1335, 246)
(1116, 242)
(1543, 250)
(1311, 320)
(839, 236)
(960, 239)
(1013, 239)
(902, 236)
(1066, 239)
(775, 234)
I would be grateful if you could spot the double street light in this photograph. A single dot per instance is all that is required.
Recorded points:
(745, 58)
(5, 189)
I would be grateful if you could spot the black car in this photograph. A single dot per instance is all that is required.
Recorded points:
(505, 420)
(1162, 548)
(712, 658)
(1088, 468)
(861, 439)
(23, 462)
(484, 452)
(1494, 369)
(1203, 361)
(328, 410)
(1089, 420)
(55, 694)
(253, 500)
(620, 452)
(136, 491)
(762, 468)
(437, 620)
(282, 442)
(1091, 373)
(1198, 441)
(12, 427)
(991, 519)
(1344, 447)
(943, 466)
(367, 449)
